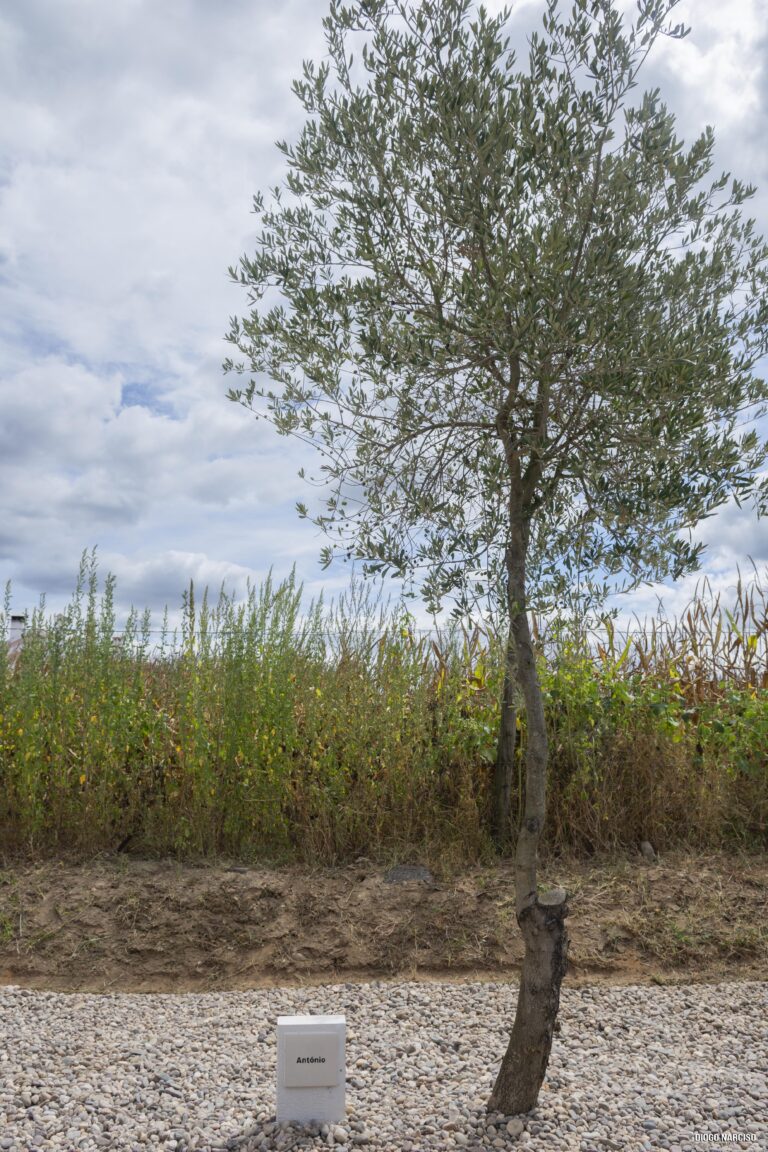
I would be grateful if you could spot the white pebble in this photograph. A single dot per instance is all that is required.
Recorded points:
(632, 1068)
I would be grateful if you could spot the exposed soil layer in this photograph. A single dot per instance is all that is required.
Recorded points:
(122, 924)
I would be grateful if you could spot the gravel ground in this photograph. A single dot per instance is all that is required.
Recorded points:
(632, 1068)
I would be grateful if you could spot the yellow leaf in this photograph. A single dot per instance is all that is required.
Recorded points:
(82, 779)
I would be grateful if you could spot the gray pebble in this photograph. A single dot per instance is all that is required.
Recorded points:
(632, 1068)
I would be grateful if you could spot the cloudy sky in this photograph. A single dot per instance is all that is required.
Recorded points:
(132, 138)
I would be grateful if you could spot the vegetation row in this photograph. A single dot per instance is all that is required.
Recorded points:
(264, 733)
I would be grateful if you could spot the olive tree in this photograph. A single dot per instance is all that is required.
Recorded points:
(521, 324)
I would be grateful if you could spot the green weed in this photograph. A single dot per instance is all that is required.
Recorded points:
(265, 733)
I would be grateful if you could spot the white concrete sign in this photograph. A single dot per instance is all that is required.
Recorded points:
(311, 1075)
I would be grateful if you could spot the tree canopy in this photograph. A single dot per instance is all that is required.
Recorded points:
(480, 283)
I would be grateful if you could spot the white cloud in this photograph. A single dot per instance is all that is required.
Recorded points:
(132, 138)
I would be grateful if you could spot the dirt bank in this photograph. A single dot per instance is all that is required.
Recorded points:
(122, 924)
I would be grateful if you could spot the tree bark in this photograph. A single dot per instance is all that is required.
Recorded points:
(525, 1062)
(504, 769)
(541, 919)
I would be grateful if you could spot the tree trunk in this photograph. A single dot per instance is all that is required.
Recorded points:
(541, 919)
(546, 958)
(504, 770)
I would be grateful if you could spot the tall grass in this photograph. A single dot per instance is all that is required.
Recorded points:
(260, 732)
